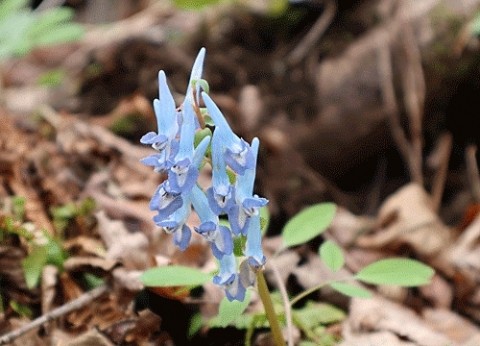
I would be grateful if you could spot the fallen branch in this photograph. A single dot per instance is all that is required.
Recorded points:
(73, 305)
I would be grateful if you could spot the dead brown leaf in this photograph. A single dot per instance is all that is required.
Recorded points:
(408, 218)
(378, 315)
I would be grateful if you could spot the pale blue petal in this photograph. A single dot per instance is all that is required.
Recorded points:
(228, 270)
(195, 75)
(200, 204)
(253, 247)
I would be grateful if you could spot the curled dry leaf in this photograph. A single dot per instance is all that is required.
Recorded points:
(131, 249)
(378, 315)
(79, 263)
(408, 218)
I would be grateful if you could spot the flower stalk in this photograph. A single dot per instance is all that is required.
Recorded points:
(269, 309)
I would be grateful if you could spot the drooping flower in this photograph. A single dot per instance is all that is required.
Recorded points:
(184, 171)
(219, 237)
(221, 196)
(229, 279)
(164, 141)
(247, 205)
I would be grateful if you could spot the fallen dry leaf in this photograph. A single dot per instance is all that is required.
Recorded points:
(408, 218)
(377, 315)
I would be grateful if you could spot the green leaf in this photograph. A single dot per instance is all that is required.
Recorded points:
(9, 7)
(55, 253)
(174, 276)
(52, 78)
(396, 271)
(21, 309)
(315, 314)
(64, 33)
(92, 280)
(195, 325)
(194, 5)
(332, 255)
(230, 311)
(33, 265)
(308, 224)
(350, 290)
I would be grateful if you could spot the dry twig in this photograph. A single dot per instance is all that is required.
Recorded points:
(444, 151)
(472, 171)
(414, 93)
(73, 305)
(315, 33)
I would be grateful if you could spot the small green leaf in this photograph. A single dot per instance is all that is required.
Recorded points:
(174, 276)
(10, 7)
(315, 314)
(396, 271)
(52, 78)
(33, 265)
(230, 311)
(21, 309)
(308, 224)
(195, 325)
(350, 290)
(332, 255)
(92, 280)
(55, 253)
(194, 5)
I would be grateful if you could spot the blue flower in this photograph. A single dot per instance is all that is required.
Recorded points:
(237, 153)
(247, 205)
(219, 237)
(176, 224)
(165, 201)
(167, 127)
(221, 194)
(229, 279)
(184, 170)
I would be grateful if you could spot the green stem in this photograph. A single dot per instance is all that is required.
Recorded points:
(302, 295)
(269, 310)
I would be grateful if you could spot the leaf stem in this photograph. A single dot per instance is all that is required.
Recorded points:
(302, 295)
(269, 310)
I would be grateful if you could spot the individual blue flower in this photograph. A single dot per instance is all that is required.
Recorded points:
(221, 196)
(165, 201)
(184, 170)
(219, 237)
(176, 224)
(227, 271)
(167, 127)
(247, 205)
(237, 153)
(229, 279)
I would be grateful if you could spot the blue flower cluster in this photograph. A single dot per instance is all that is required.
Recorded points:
(233, 162)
